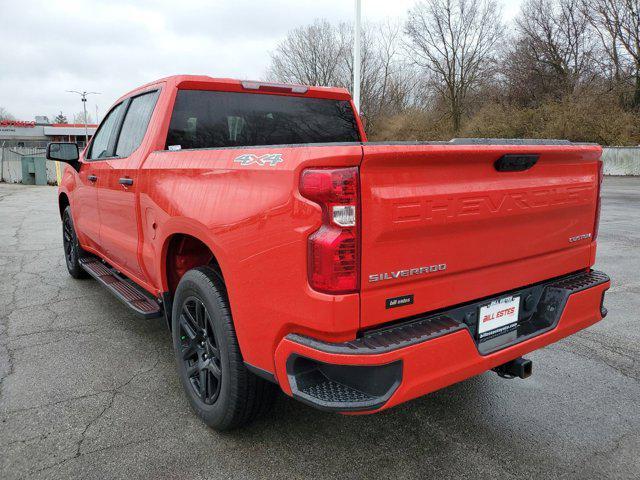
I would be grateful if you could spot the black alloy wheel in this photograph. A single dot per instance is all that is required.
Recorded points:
(72, 249)
(199, 350)
(220, 388)
(68, 240)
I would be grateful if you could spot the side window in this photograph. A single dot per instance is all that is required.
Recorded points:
(100, 143)
(135, 123)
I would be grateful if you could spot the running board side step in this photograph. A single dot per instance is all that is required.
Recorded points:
(129, 294)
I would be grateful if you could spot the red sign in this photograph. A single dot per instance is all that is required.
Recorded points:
(17, 123)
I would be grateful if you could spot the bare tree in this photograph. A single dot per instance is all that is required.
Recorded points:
(603, 15)
(311, 55)
(452, 63)
(628, 20)
(385, 83)
(617, 23)
(368, 62)
(5, 115)
(321, 54)
(455, 40)
(554, 43)
(78, 118)
(628, 17)
(396, 80)
(551, 53)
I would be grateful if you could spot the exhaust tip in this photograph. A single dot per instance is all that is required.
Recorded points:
(520, 367)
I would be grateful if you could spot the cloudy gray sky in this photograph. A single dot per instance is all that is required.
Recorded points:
(112, 46)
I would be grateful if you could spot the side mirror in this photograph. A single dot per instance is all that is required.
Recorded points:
(66, 152)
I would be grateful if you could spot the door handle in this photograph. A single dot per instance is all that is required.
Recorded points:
(125, 181)
(92, 178)
(515, 163)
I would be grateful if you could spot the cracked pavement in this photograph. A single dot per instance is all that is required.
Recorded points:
(89, 391)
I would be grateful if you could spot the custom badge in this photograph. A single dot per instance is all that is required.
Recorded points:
(399, 301)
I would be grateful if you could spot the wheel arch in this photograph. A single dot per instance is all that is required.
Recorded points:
(183, 249)
(180, 253)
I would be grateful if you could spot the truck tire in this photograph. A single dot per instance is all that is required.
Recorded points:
(72, 249)
(220, 389)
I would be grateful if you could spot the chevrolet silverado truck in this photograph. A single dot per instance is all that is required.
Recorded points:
(285, 251)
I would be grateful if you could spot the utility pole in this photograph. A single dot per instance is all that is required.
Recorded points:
(83, 96)
(356, 59)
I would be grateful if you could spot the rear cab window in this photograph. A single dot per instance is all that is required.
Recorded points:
(212, 119)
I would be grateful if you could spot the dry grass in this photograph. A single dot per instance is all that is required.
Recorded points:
(585, 118)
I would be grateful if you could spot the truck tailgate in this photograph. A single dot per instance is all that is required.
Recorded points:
(442, 226)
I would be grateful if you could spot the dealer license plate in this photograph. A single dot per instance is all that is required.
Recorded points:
(498, 318)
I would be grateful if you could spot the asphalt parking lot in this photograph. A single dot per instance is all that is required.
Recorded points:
(89, 391)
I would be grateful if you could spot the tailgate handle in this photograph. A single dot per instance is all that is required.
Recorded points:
(515, 163)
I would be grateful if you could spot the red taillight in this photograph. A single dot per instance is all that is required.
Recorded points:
(334, 249)
(596, 224)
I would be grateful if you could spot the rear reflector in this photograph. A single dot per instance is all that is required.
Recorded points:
(334, 249)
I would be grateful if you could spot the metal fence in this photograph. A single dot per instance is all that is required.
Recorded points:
(11, 163)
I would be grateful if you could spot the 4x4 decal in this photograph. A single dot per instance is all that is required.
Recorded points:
(270, 159)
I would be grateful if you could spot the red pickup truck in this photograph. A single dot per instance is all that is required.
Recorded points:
(283, 249)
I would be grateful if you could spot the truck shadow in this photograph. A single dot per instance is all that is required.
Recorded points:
(434, 435)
